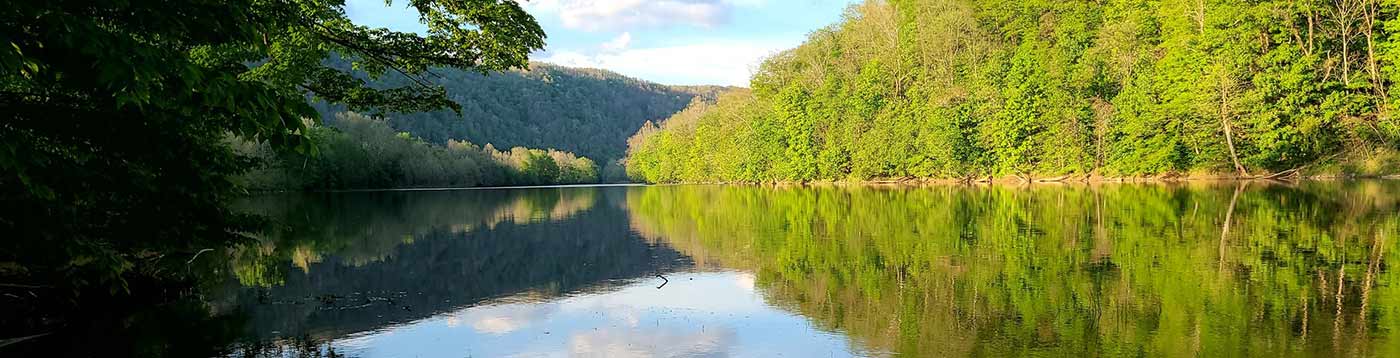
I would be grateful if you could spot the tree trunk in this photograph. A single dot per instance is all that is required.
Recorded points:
(1346, 13)
(1230, 141)
(1371, 11)
(1225, 124)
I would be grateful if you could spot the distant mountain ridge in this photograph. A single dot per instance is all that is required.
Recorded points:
(590, 112)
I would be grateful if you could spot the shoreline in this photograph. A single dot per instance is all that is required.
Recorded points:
(1060, 180)
(554, 186)
(912, 182)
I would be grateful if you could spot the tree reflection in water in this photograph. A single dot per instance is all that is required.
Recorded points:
(1200, 269)
(1223, 269)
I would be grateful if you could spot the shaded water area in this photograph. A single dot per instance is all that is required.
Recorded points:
(1198, 269)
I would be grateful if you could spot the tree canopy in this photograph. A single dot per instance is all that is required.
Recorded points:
(115, 149)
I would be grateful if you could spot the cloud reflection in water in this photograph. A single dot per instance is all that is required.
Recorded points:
(702, 314)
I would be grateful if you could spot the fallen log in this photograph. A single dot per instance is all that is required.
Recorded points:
(1281, 174)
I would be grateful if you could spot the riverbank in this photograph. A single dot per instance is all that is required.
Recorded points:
(1380, 164)
(1068, 179)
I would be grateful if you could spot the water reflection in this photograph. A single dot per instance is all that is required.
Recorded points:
(1214, 269)
(541, 272)
(379, 259)
(714, 314)
(362, 228)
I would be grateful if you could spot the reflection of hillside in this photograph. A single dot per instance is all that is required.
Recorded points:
(360, 228)
(537, 243)
(1103, 270)
(537, 208)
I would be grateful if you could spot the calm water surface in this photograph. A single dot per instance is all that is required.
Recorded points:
(1222, 269)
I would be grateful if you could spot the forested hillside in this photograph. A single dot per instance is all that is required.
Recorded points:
(964, 88)
(590, 112)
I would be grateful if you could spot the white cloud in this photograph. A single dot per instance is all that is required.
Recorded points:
(722, 62)
(503, 319)
(594, 15)
(618, 43)
(745, 281)
(714, 342)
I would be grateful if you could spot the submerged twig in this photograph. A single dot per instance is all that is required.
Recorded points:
(18, 285)
(196, 255)
(9, 341)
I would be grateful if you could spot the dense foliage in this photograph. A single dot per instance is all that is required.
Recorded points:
(1220, 270)
(114, 156)
(962, 88)
(590, 112)
(357, 152)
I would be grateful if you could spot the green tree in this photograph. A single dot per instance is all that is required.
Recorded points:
(115, 153)
(539, 167)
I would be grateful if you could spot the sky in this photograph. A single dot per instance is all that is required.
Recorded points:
(676, 42)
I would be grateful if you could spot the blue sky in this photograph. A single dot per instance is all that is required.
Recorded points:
(682, 42)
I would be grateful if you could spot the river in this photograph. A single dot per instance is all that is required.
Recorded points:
(1189, 269)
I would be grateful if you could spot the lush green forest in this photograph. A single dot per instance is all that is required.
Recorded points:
(588, 112)
(962, 89)
(358, 152)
